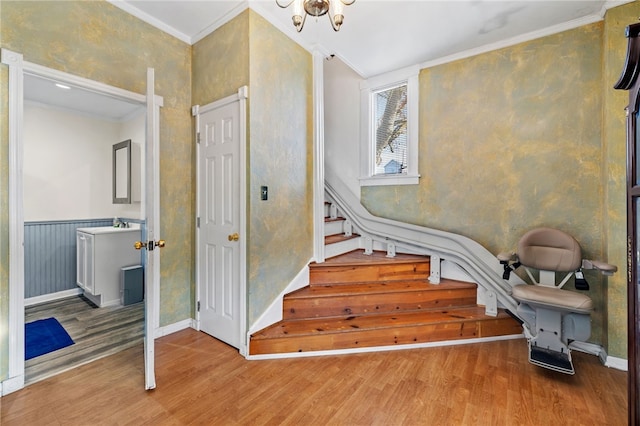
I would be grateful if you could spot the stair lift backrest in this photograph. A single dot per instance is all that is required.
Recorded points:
(550, 250)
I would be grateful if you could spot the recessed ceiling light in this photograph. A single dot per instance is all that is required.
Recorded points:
(62, 86)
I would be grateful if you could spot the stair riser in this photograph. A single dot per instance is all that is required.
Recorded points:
(358, 304)
(387, 337)
(327, 209)
(332, 228)
(354, 274)
(335, 249)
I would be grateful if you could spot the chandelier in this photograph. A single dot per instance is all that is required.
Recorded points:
(302, 8)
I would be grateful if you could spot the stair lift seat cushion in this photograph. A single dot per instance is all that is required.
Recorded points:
(554, 298)
(550, 250)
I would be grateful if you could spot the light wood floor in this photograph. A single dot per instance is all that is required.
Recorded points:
(203, 381)
(97, 332)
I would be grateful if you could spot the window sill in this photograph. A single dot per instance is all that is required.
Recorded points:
(390, 180)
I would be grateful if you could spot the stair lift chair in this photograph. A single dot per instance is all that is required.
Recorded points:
(553, 317)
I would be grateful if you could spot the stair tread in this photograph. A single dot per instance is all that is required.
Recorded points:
(357, 257)
(355, 267)
(335, 238)
(301, 327)
(377, 287)
(334, 219)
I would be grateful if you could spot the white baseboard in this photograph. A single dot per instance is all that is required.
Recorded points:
(12, 384)
(589, 348)
(617, 363)
(607, 361)
(173, 328)
(52, 296)
(273, 314)
(384, 348)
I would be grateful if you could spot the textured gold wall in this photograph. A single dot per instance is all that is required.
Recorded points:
(281, 157)
(99, 41)
(511, 140)
(221, 61)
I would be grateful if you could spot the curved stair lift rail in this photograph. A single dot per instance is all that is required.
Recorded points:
(476, 260)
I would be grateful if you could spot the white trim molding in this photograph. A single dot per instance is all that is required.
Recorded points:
(533, 35)
(17, 68)
(408, 76)
(173, 328)
(273, 313)
(11, 385)
(318, 156)
(601, 353)
(52, 296)
(16, 221)
(145, 17)
(617, 363)
(241, 96)
(237, 10)
(385, 348)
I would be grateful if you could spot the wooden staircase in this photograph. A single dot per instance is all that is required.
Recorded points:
(356, 300)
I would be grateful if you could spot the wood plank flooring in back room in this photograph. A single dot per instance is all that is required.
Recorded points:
(97, 332)
(201, 381)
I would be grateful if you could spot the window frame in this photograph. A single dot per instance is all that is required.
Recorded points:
(368, 89)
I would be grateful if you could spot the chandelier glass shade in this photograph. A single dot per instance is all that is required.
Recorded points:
(302, 8)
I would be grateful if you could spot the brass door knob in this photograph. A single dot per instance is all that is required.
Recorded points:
(150, 245)
(234, 237)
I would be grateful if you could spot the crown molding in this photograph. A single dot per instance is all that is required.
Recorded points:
(241, 7)
(143, 16)
(554, 29)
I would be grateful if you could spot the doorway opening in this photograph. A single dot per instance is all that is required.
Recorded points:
(18, 69)
(67, 140)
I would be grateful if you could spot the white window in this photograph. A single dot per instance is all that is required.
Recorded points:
(390, 129)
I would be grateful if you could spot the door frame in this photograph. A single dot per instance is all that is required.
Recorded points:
(630, 80)
(241, 96)
(17, 68)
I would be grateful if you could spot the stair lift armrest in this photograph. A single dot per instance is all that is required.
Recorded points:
(510, 263)
(507, 257)
(603, 267)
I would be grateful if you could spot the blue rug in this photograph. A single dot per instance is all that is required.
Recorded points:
(44, 336)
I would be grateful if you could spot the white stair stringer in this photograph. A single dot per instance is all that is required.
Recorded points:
(482, 266)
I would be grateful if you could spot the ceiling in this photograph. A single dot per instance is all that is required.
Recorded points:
(379, 36)
(41, 91)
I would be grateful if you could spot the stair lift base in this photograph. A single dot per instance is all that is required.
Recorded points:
(546, 349)
(549, 333)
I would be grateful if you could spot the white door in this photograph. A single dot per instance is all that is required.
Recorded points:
(220, 245)
(152, 227)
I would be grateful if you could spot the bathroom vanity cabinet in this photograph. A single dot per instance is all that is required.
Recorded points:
(101, 253)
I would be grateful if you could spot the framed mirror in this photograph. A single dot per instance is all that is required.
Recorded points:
(122, 172)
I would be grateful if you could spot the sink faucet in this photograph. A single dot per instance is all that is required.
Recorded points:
(119, 223)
